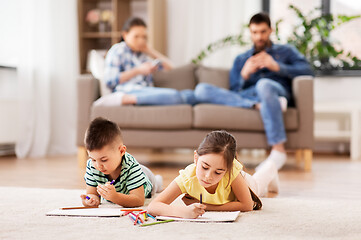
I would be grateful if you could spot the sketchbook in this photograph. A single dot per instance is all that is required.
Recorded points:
(207, 217)
(87, 212)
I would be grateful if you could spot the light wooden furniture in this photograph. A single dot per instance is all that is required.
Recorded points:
(94, 37)
(351, 133)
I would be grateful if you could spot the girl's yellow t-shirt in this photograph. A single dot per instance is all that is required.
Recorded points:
(189, 184)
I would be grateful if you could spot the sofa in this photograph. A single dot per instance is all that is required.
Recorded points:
(184, 126)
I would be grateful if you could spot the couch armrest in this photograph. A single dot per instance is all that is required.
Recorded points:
(88, 92)
(302, 87)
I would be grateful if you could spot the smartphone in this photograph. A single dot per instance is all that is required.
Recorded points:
(155, 62)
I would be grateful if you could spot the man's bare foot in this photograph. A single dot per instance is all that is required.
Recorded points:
(129, 99)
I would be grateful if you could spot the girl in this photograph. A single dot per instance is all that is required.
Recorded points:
(128, 71)
(218, 176)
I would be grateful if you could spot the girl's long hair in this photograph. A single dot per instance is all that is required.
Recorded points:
(220, 142)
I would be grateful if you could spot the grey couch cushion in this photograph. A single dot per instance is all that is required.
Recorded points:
(147, 117)
(216, 76)
(178, 78)
(208, 116)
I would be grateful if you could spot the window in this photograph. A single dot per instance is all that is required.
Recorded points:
(346, 37)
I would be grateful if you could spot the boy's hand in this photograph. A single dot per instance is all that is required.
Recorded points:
(194, 210)
(93, 200)
(107, 191)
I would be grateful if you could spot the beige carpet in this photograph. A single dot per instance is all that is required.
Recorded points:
(22, 216)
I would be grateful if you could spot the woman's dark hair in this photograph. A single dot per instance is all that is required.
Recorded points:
(101, 132)
(260, 18)
(220, 142)
(132, 22)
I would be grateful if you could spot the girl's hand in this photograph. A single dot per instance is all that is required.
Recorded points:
(147, 68)
(107, 191)
(92, 202)
(188, 199)
(194, 210)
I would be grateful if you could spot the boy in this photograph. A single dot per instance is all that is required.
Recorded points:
(111, 172)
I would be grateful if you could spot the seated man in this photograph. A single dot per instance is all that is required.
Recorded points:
(261, 78)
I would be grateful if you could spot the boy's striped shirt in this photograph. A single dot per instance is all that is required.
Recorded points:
(131, 176)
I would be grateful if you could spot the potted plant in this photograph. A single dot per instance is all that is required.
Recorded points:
(311, 37)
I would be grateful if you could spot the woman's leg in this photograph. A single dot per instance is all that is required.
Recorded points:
(160, 96)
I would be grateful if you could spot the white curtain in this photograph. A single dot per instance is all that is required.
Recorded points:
(47, 71)
(193, 24)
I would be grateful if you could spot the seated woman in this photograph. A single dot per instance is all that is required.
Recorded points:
(128, 71)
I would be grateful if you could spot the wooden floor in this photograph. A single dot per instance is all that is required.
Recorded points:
(332, 176)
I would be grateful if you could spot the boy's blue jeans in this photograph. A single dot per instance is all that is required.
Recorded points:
(266, 92)
(163, 96)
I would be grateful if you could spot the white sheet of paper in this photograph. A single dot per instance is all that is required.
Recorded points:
(87, 212)
(207, 217)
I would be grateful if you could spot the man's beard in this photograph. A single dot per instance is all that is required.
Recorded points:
(262, 47)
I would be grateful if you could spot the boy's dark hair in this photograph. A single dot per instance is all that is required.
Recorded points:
(260, 18)
(219, 142)
(101, 132)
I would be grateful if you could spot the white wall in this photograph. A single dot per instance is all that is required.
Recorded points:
(9, 29)
(193, 24)
(9, 41)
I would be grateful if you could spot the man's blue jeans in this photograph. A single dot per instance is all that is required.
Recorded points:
(163, 96)
(266, 92)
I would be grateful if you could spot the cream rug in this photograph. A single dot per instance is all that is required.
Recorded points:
(22, 216)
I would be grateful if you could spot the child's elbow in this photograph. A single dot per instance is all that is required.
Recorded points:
(140, 202)
(150, 207)
(247, 207)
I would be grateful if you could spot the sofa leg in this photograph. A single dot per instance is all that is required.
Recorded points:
(307, 153)
(82, 157)
(298, 156)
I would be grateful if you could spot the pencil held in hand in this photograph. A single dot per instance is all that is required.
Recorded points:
(200, 199)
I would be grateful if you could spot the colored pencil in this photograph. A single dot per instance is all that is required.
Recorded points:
(69, 208)
(151, 216)
(133, 219)
(139, 218)
(131, 209)
(200, 198)
(158, 222)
